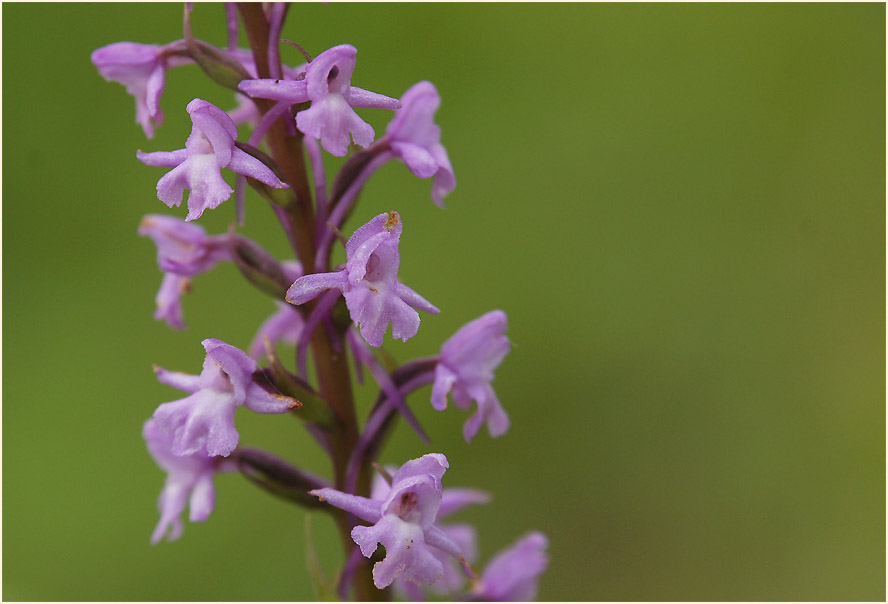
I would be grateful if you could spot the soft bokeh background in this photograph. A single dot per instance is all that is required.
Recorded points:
(681, 208)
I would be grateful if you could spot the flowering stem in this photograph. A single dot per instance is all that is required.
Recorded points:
(286, 150)
(331, 363)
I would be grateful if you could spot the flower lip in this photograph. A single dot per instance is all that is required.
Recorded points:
(189, 479)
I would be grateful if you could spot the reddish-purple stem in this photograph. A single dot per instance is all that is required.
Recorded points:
(318, 314)
(320, 182)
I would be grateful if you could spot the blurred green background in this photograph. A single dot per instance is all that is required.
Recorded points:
(680, 207)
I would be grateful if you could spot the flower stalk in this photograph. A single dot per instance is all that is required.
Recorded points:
(336, 316)
(332, 369)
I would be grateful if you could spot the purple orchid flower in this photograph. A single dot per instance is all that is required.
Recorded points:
(184, 248)
(197, 167)
(403, 522)
(465, 370)
(327, 84)
(189, 478)
(415, 138)
(513, 574)
(141, 68)
(452, 500)
(205, 420)
(369, 282)
(183, 251)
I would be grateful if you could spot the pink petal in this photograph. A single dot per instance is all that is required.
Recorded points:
(246, 164)
(365, 509)
(418, 159)
(288, 91)
(311, 286)
(166, 159)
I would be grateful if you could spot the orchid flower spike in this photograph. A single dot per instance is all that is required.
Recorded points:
(205, 419)
(197, 167)
(369, 282)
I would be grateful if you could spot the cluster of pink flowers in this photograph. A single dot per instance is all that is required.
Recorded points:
(321, 310)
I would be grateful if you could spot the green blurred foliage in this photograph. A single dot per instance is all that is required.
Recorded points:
(681, 208)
